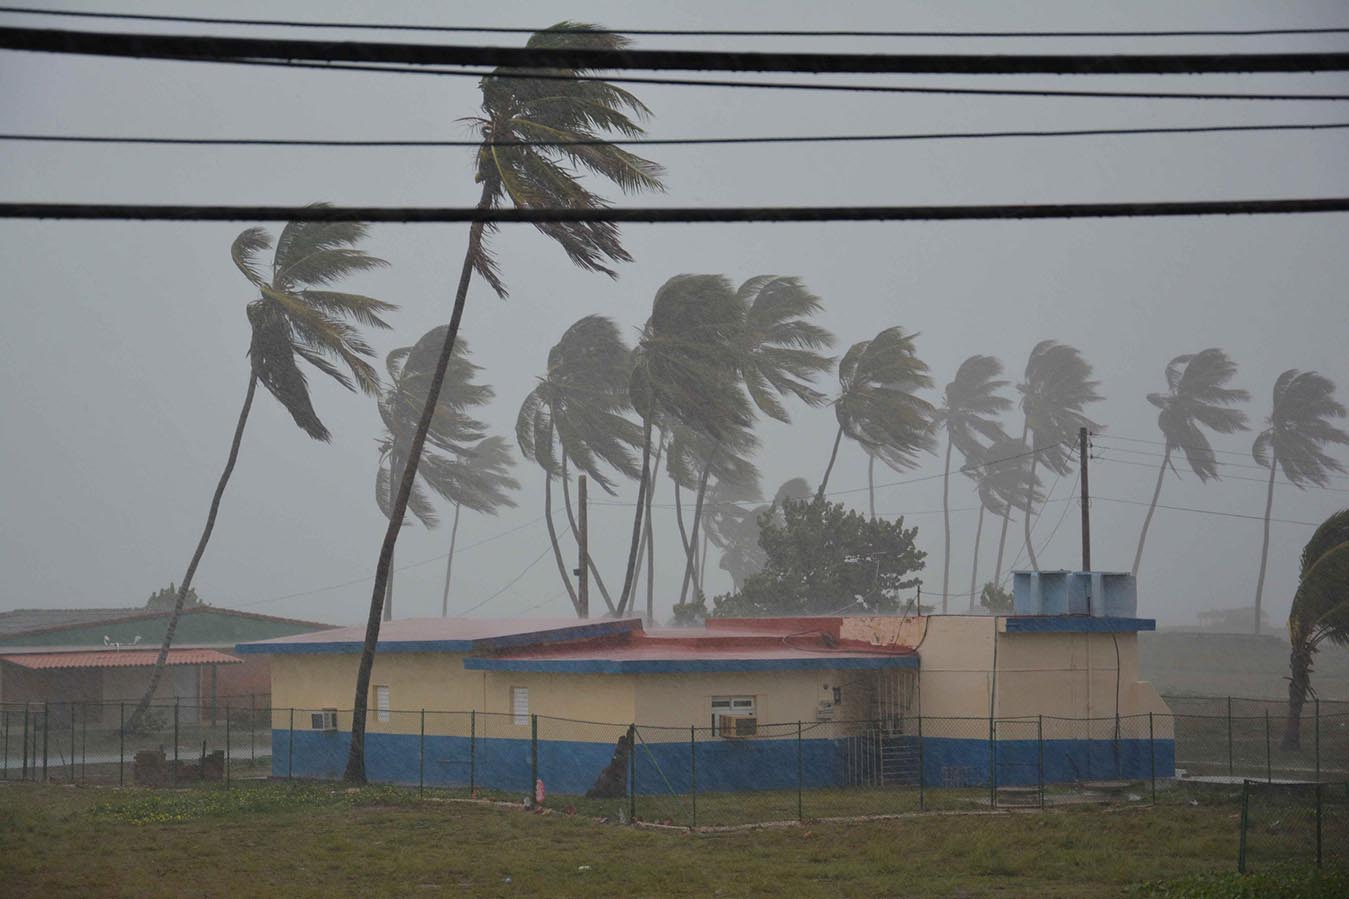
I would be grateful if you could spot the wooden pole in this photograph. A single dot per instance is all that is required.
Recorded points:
(1083, 456)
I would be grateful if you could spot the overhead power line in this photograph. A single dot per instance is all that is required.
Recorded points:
(1136, 502)
(667, 214)
(216, 48)
(669, 32)
(666, 142)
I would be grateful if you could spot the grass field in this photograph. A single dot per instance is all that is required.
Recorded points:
(280, 839)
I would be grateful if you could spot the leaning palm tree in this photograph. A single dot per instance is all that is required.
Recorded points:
(577, 413)
(296, 317)
(479, 480)
(1320, 613)
(1196, 395)
(685, 371)
(972, 400)
(1058, 385)
(877, 403)
(538, 138)
(1007, 482)
(1297, 430)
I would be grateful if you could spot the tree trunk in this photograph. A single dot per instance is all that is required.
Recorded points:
(702, 565)
(552, 539)
(1299, 684)
(690, 562)
(1002, 542)
(394, 472)
(646, 537)
(575, 535)
(679, 517)
(161, 660)
(355, 770)
(1147, 520)
(974, 568)
(625, 597)
(946, 520)
(1030, 507)
(871, 487)
(1264, 546)
(833, 455)
(449, 565)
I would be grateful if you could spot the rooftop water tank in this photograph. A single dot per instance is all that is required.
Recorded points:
(1103, 594)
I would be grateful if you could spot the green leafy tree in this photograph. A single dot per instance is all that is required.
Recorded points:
(515, 166)
(1196, 395)
(1293, 441)
(1057, 386)
(972, 402)
(1320, 613)
(738, 537)
(823, 558)
(577, 414)
(296, 318)
(166, 598)
(996, 600)
(878, 405)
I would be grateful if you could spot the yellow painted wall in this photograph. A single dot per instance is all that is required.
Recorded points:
(683, 700)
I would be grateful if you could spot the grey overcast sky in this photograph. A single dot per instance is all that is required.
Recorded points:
(122, 361)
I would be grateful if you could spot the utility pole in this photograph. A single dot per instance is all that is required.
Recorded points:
(1082, 451)
(583, 549)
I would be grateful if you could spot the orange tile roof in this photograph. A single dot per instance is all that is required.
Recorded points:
(117, 658)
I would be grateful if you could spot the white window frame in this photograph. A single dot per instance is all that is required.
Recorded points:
(520, 706)
(382, 702)
(327, 719)
(733, 707)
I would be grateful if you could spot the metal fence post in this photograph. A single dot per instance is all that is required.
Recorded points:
(693, 772)
(421, 757)
(290, 746)
(800, 775)
(174, 775)
(227, 744)
(84, 742)
(1245, 807)
(1316, 736)
(70, 707)
(632, 773)
(533, 756)
(1152, 758)
(472, 751)
(46, 731)
(993, 766)
(1269, 764)
(1040, 757)
(1229, 736)
(1318, 823)
(23, 774)
(121, 744)
(922, 769)
(4, 713)
(253, 730)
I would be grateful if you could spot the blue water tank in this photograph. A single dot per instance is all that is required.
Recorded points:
(1103, 594)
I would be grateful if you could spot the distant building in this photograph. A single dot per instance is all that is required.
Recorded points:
(1061, 675)
(99, 657)
(1233, 621)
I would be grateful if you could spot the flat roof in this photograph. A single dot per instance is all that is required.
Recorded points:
(116, 658)
(653, 657)
(446, 635)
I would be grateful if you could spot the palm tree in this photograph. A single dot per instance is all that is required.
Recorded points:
(972, 399)
(577, 413)
(452, 429)
(513, 167)
(296, 317)
(1057, 386)
(480, 480)
(1006, 482)
(1195, 396)
(739, 536)
(1320, 612)
(684, 371)
(1296, 431)
(877, 404)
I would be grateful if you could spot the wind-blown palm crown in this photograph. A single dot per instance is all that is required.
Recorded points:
(1195, 396)
(571, 116)
(777, 348)
(1320, 612)
(1292, 441)
(578, 409)
(877, 403)
(298, 316)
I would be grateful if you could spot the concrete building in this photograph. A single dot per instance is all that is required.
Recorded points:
(1054, 688)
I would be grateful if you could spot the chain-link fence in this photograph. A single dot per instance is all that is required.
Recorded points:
(1234, 738)
(1293, 824)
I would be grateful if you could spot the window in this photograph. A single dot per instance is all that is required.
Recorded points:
(730, 707)
(520, 704)
(381, 703)
(324, 720)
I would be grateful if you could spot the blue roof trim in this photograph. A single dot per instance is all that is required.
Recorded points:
(1076, 624)
(508, 641)
(685, 666)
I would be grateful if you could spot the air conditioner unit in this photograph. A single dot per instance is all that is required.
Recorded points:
(736, 727)
(324, 720)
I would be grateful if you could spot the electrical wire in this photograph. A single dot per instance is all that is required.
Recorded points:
(1152, 454)
(1226, 477)
(665, 32)
(509, 584)
(1135, 502)
(659, 142)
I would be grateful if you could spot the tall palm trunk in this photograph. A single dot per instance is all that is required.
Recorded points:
(690, 559)
(449, 565)
(1152, 507)
(552, 540)
(646, 538)
(833, 455)
(576, 535)
(974, 568)
(679, 517)
(702, 564)
(1264, 546)
(946, 521)
(1002, 542)
(161, 660)
(394, 472)
(355, 770)
(625, 597)
(1026, 519)
(1299, 685)
(871, 487)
